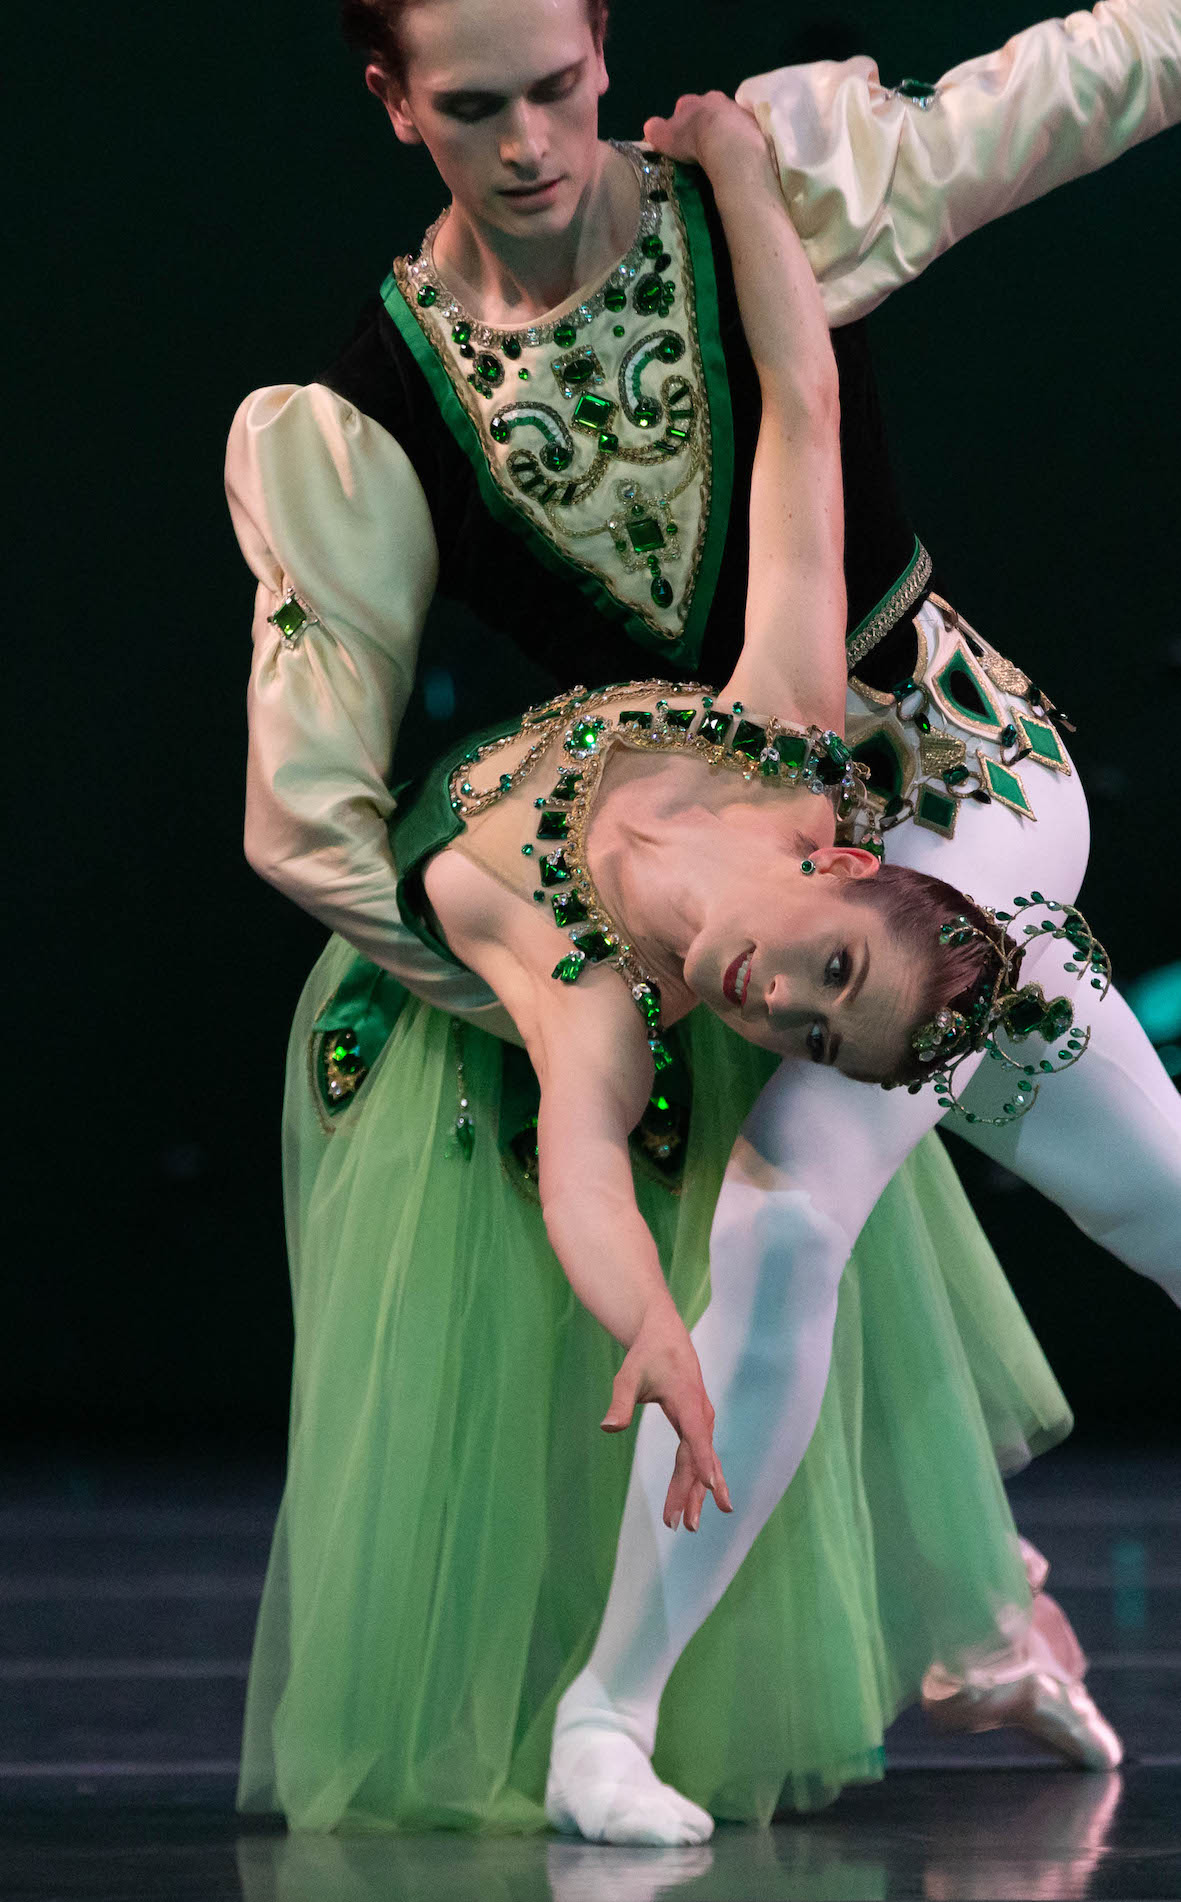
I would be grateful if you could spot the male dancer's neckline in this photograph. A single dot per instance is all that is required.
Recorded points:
(479, 304)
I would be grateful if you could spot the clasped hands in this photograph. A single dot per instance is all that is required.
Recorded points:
(661, 1365)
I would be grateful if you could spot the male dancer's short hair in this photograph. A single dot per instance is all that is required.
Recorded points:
(372, 28)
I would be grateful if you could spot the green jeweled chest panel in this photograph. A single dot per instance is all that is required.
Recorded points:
(596, 425)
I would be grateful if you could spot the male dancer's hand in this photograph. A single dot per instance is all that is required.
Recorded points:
(662, 1365)
(710, 130)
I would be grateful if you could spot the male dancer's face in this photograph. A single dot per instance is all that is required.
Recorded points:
(506, 99)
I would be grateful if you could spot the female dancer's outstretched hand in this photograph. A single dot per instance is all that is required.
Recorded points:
(710, 130)
(662, 1365)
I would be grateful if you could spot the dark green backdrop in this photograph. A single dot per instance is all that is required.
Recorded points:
(215, 197)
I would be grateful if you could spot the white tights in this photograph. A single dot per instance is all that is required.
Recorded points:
(1103, 1141)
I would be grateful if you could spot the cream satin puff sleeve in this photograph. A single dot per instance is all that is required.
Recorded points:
(879, 184)
(334, 523)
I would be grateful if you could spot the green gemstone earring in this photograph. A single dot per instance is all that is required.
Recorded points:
(807, 867)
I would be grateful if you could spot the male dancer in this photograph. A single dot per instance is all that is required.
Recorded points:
(350, 499)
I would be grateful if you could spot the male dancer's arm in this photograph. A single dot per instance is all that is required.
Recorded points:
(879, 185)
(325, 502)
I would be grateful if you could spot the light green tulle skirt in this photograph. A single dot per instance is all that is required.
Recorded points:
(447, 1532)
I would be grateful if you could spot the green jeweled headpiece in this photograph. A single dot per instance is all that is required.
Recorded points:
(952, 1036)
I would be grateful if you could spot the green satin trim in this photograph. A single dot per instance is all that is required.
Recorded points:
(721, 416)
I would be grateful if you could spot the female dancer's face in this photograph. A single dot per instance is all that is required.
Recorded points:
(799, 967)
(506, 99)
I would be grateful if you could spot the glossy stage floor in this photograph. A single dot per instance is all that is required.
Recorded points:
(126, 1604)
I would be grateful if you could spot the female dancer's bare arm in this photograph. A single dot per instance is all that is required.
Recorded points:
(793, 658)
(591, 1059)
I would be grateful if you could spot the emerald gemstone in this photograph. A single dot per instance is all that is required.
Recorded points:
(645, 534)
(615, 299)
(647, 999)
(564, 335)
(288, 617)
(581, 370)
(461, 333)
(661, 592)
(489, 367)
(662, 262)
(769, 767)
(596, 945)
(680, 719)
(569, 909)
(592, 412)
(512, 347)
(792, 749)
(553, 825)
(567, 786)
(527, 850)
(660, 1055)
(427, 296)
(617, 330)
(524, 375)
(646, 412)
(838, 752)
(555, 869)
(557, 457)
(749, 739)
(608, 442)
(635, 719)
(669, 349)
(829, 771)
(652, 246)
(646, 296)
(481, 387)
(499, 432)
(955, 775)
(714, 728)
(568, 969)
(583, 737)
(1024, 1015)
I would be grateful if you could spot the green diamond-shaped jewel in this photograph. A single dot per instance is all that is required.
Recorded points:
(680, 719)
(936, 810)
(615, 298)
(567, 786)
(662, 592)
(645, 534)
(427, 296)
(569, 969)
(289, 617)
(749, 739)
(564, 335)
(652, 246)
(608, 441)
(554, 869)
(1005, 786)
(596, 945)
(1043, 742)
(634, 717)
(792, 749)
(592, 412)
(647, 296)
(553, 825)
(568, 909)
(647, 1000)
(714, 728)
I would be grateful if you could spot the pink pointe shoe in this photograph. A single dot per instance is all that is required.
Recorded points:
(1035, 1686)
